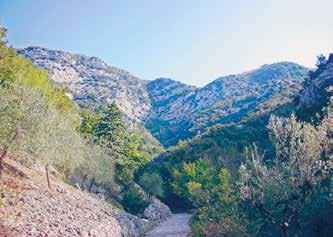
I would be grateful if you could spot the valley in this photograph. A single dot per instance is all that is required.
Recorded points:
(88, 149)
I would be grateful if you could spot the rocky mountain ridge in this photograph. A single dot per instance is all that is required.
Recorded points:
(91, 81)
(171, 110)
(179, 111)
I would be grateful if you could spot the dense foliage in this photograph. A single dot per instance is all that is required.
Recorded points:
(133, 201)
(282, 189)
(152, 183)
(223, 146)
(277, 192)
(211, 192)
(127, 149)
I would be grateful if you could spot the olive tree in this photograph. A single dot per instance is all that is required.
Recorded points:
(279, 188)
(57, 144)
(20, 111)
(96, 167)
(32, 128)
(326, 127)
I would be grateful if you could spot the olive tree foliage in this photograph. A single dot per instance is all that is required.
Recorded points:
(88, 168)
(96, 167)
(58, 144)
(326, 127)
(279, 188)
(34, 131)
(35, 116)
(152, 183)
(20, 111)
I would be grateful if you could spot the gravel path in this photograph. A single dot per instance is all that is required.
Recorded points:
(176, 226)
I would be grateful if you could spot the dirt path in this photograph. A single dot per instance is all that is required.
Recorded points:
(176, 226)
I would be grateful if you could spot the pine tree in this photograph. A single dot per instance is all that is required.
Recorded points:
(110, 132)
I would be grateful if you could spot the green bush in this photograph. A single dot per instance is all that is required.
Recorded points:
(215, 196)
(133, 201)
(152, 183)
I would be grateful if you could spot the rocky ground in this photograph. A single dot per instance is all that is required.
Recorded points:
(29, 208)
(176, 226)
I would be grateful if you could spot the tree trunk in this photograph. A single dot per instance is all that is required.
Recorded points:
(84, 178)
(91, 184)
(6, 148)
(47, 176)
(2, 157)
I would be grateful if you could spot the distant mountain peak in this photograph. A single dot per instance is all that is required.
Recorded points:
(224, 100)
(91, 81)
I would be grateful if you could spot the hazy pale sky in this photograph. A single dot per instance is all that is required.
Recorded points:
(191, 41)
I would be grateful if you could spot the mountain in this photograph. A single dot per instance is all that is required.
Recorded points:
(90, 80)
(170, 109)
(183, 110)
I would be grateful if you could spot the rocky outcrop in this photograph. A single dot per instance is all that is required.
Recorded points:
(319, 86)
(157, 211)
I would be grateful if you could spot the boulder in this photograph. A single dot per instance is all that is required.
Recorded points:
(157, 211)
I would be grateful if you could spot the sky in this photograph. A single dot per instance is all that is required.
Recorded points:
(192, 41)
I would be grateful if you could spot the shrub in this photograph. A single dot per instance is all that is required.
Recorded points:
(281, 189)
(211, 191)
(152, 183)
(133, 201)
